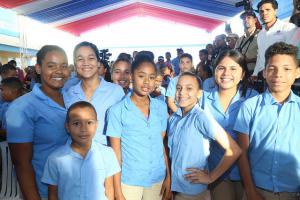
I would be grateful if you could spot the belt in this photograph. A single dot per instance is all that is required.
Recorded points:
(292, 194)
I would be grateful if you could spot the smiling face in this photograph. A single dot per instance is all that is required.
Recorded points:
(53, 70)
(121, 74)
(280, 73)
(143, 79)
(86, 63)
(228, 74)
(82, 125)
(187, 92)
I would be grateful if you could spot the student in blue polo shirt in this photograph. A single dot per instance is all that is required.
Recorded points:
(223, 102)
(35, 122)
(136, 128)
(268, 127)
(81, 169)
(92, 88)
(185, 65)
(190, 130)
(120, 74)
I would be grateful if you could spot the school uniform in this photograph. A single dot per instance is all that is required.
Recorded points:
(106, 95)
(171, 90)
(36, 118)
(211, 103)
(142, 148)
(188, 140)
(273, 131)
(79, 178)
(209, 84)
(4, 108)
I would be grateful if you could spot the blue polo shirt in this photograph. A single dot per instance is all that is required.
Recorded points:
(36, 118)
(188, 140)
(273, 131)
(4, 108)
(171, 90)
(106, 95)
(209, 84)
(142, 148)
(211, 103)
(79, 178)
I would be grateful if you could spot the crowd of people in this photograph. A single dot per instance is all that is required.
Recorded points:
(133, 129)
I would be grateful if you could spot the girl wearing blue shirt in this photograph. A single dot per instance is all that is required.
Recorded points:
(120, 73)
(223, 102)
(189, 133)
(136, 129)
(35, 122)
(92, 88)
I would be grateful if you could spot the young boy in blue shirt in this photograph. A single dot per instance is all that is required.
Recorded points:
(11, 88)
(81, 169)
(268, 127)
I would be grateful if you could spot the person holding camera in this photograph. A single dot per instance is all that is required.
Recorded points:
(247, 44)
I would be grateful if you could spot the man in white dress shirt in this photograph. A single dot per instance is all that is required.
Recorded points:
(274, 30)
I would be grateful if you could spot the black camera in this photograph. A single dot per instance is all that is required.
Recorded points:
(246, 3)
(104, 54)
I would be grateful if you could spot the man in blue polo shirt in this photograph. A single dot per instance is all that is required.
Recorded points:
(268, 127)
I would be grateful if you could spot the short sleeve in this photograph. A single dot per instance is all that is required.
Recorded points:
(50, 174)
(111, 163)
(19, 123)
(207, 125)
(243, 119)
(164, 121)
(171, 90)
(113, 122)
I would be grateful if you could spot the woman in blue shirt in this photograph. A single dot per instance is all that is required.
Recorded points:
(223, 102)
(136, 128)
(92, 88)
(189, 133)
(35, 122)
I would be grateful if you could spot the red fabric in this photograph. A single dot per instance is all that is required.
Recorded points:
(138, 9)
(13, 3)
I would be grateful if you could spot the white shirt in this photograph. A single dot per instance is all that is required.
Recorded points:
(279, 32)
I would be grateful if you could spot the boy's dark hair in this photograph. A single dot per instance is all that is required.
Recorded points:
(45, 49)
(281, 48)
(273, 2)
(86, 44)
(80, 104)
(186, 55)
(140, 59)
(13, 83)
(13, 62)
(7, 67)
(204, 51)
(193, 75)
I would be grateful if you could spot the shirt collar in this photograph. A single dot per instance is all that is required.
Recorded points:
(77, 89)
(269, 99)
(130, 105)
(77, 155)
(194, 109)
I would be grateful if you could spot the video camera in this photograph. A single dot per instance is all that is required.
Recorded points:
(246, 3)
(104, 54)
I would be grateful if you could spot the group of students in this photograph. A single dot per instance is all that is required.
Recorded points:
(98, 140)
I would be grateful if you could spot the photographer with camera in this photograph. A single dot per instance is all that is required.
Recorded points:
(247, 44)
